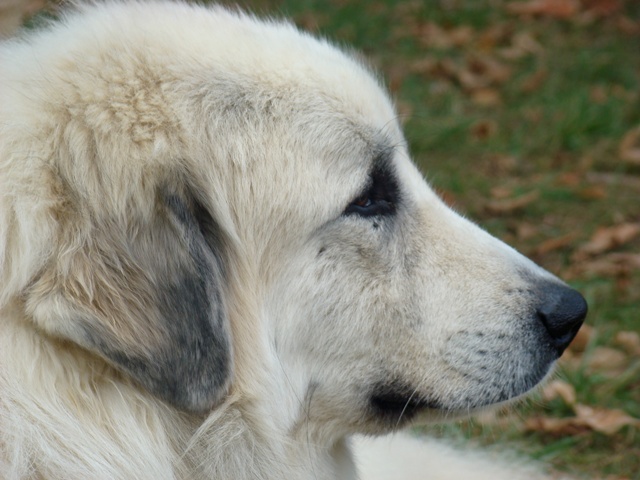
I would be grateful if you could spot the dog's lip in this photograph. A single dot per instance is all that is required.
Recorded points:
(396, 400)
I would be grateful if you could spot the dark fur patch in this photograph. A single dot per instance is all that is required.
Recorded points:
(188, 363)
(381, 195)
(397, 403)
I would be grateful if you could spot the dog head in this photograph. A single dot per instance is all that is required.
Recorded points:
(207, 200)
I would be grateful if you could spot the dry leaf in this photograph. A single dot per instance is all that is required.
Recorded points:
(605, 358)
(559, 388)
(484, 129)
(598, 94)
(501, 192)
(433, 35)
(610, 265)
(600, 420)
(628, 26)
(558, 426)
(593, 192)
(556, 243)
(603, 8)
(630, 341)
(607, 238)
(603, 420)
(564, 9)
(522, 44)
(501, 207)
(525, 230)
(614, 179)
(534, 81)
(481, 72)
(583, 338)
(486, 97)
(629, 149)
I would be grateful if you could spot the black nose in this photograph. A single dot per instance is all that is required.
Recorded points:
(562, 312)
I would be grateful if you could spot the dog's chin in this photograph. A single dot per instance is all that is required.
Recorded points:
(396, 405)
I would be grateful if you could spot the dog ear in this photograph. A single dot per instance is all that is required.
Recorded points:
(150, 300)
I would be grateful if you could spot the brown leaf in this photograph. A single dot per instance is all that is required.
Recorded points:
(486, 97)
(630, 341)
(597, 419)
(501, 207)
(603, 420)
(534, 81)
(592, 192)
(522, 44)
(433, 35)
(628, 26)
(559, 388)
(563, 9)
(583, 338)
(607, 238)
(607, 359)
(484, 130)
(610, 265)
(526, 230)
(603, 7)
(629, 149)
(556, 243)
(558, 426)
(490, 68)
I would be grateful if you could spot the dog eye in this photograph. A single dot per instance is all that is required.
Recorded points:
(379, 198)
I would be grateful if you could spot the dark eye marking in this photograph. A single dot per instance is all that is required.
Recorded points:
(380, 196)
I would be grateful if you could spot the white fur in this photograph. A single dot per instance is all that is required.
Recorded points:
(274, 133)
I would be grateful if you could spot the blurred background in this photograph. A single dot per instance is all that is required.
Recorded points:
(525, 116)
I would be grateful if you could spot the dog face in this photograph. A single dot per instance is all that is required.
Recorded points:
(210, 203)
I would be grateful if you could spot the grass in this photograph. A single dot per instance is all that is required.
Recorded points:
(497, 106)
(551, 122)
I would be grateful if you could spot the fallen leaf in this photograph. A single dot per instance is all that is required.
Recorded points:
(479, 72)
(598, 94)
(628, 26)
(559, 388)
(600, 420)
(610, 265)
(525, 230)
(501, 207)
(606, 359)
(522, 45)
(563, 9)
(583, 338)
(435, 36)
(534, 81)
(486, 97)
(592, 192)
(484, 130)
(557, 426)
(495, 35)
(556, 243)
(630, 341)
(603, 420)
(614, 179)
(603, 8)
(503, 164)
(501, 192)
(607, 238)
(629, 149)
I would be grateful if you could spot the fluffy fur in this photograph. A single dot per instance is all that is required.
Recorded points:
(217, 260)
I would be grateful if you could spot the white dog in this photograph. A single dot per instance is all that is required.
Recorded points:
(217, 260)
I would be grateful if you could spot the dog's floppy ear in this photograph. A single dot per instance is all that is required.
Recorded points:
(150, 300)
